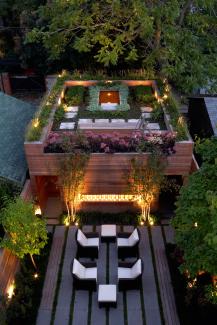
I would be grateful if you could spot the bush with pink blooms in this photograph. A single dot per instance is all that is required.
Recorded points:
(91, 142)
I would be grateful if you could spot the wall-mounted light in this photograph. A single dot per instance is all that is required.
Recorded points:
(10, 290)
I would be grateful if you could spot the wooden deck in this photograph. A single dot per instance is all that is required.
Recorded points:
(135, 307)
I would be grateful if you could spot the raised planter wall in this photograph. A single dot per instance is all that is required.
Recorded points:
(105, 172)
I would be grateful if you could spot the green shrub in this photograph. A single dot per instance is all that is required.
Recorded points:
(74, 95)
(144, 94)
(157, 114)
(23, 307)
(59, 114)
(98, 218)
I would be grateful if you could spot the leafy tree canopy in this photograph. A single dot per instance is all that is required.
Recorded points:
(196, 215)
(26, 233)
(176, 39)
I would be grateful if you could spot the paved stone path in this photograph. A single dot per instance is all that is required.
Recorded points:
(135, 306)
(45, 309)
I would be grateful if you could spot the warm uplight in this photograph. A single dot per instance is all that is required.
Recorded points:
(109, 198)
(10, 290)
(59, 101)
(76, 223)
(165, 96)
(141, 223)
(37, 210)
(151, 222)
(66, 222)
(109, 94)
(195, 225)
(35, 122)
(35, 275)
(108, 82)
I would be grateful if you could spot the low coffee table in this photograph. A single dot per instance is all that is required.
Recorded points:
(107, 295)
(108, 233)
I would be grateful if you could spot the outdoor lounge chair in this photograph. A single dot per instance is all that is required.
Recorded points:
(84, 275)
(88, 244)
(129, 275)
(128, 244)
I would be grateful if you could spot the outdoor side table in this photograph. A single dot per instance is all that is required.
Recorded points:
(108, 233)
(107, 295)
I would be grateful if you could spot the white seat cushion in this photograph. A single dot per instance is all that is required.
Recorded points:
(108, 230)
(122, 242)
(93, 242)
(78, 269)
(107, 293)
(81, 238)
(134, 238)
(136, 270)
(124, 273)
(91, 273)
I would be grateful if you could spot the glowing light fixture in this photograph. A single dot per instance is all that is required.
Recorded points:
(195, 224)
(37, 210)
(59, 101)
(109, 198)
(35, 122)
(35, 275)
(109, 94)
(10, 291)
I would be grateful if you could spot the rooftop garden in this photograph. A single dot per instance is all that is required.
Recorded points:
(70, 102)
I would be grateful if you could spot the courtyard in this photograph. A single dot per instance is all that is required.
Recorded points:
(153, 303)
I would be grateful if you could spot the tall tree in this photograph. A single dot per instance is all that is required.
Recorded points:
(196, 215)
(71, 176)
(176, 39)
(25, 233)
(145, 180)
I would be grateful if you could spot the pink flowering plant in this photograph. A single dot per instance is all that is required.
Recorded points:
(91, 142)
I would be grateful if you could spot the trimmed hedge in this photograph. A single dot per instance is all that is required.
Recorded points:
(74, 95)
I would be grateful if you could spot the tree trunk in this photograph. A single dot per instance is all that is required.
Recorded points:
(184, 10)
(33, 262)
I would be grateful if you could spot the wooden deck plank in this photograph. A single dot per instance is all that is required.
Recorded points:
(152, 311)
(98, 315)
(116, 315)
(169, 234)
(134, 312)
(48, 292)
(80, 314)
(66, 286)
(166, 290)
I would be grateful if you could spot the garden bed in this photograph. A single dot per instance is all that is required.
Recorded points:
(192, 306)
(23, 307)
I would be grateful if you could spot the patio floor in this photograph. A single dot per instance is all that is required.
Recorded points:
(153, 304)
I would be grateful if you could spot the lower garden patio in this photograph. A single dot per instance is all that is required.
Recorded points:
(152, 303)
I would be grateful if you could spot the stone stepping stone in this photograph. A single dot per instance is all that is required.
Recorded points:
(146, 115)
(133, 120)
(70, 115)
(152, 126)
(147, 109)
(85, 120)
(101, 120)
(117, 120)
(67, 125)
(72, 109)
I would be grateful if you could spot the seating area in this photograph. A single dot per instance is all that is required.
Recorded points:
(84, 273)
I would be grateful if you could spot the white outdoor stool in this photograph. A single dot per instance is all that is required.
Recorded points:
(108, 233)
(107, 295)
